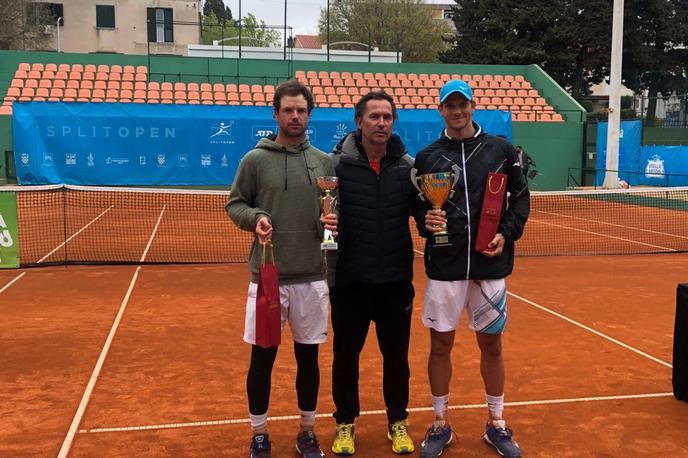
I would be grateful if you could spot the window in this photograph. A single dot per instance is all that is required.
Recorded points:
(105, 16)
(44, 13)
(160, 29)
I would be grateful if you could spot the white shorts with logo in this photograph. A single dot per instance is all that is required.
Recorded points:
(304, 305)
(484, 301)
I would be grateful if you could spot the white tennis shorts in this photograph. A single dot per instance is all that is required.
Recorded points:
(484, 301)
(304, 305)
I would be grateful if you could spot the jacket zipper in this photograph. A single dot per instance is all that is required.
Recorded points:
(468, 210)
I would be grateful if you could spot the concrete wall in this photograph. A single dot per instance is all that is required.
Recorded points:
(80, 34)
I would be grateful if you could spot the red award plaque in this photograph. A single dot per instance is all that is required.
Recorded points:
(491, 213)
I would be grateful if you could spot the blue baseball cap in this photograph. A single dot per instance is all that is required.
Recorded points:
(453, 86)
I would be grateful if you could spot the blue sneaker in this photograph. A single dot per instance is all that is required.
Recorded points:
(308, 446)
(260, 446)
(499, 436)
(436, 439)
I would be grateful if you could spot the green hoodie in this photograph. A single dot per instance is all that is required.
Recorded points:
(280, 182)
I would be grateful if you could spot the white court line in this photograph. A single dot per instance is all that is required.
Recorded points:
(75, 234)
(587, 328)
(611, 224)
(235, 421)
(57, 248)
(67, 444)
(12, 281)
(602, 235)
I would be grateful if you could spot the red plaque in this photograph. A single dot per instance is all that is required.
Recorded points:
(491, 213)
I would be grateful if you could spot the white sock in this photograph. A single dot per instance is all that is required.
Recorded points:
(495, 405)
(439, 404)
(259, 423)
(307, 420)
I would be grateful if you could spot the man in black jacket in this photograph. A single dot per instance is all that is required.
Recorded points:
(371, 273)
(460, 277)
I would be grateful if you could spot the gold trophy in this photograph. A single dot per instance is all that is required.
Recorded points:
(436, 188)
(328, 201)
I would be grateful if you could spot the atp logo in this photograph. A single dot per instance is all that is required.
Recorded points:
(262, 131)
(221, 133)
(654, 167)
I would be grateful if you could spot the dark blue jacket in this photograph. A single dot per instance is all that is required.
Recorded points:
(475, 157)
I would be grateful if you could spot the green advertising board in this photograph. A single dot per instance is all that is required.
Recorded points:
(9, 235)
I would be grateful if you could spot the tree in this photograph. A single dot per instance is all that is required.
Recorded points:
(222, 11)
(390, 25)
(253, 33)
(655, 48)
(22, 25)
(569, 39)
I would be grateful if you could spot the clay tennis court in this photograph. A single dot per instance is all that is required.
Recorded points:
(147, 360)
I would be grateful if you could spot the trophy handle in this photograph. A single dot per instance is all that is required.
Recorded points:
(414, 181)
(457, 171)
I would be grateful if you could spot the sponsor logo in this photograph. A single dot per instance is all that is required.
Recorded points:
(340, 132)
(183, 160)
(161, 160)
(221, 133)
(263, 131)
(48, 159)
(70, 158)
(90, 161)
(224, 162)
(24, 159)
(206, 160)
(142, 160)
(116, 160)
(654, 167)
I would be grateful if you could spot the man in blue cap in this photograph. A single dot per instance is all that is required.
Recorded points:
(459, 276)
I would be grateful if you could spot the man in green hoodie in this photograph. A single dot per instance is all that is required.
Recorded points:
(275, 196)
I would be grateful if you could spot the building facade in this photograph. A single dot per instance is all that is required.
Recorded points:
(125, 26)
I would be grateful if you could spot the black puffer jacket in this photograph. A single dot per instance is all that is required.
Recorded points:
(475, 157)
(374, 239)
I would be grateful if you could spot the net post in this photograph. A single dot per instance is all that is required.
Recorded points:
(64, 222)
(680, 358)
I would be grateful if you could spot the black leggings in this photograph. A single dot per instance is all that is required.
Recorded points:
(258, 380)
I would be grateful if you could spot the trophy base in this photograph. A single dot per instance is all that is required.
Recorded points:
(441, 241)
(327, 246)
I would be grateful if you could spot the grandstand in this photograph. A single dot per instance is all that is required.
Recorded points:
(534, 100)
(129, 84)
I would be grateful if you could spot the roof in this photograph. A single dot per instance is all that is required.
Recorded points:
(307, 41)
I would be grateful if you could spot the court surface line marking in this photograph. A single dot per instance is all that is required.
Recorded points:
(602, 235)
(75, 234)
(12, 281)
(234, 421)
(55, 249)
(67, 444)
(589, 329)
(611, 224)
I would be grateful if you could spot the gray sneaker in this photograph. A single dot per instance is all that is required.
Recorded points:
(436, 440)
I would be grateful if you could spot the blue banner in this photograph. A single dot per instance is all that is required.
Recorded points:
(147, 144)
(629, 149)
(663, 166)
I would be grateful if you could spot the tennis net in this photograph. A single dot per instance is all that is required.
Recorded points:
(80, 224)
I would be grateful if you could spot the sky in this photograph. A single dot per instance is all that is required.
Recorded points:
(302, 15)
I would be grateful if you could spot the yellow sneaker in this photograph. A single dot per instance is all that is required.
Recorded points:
(401, 441)
(344, 440)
